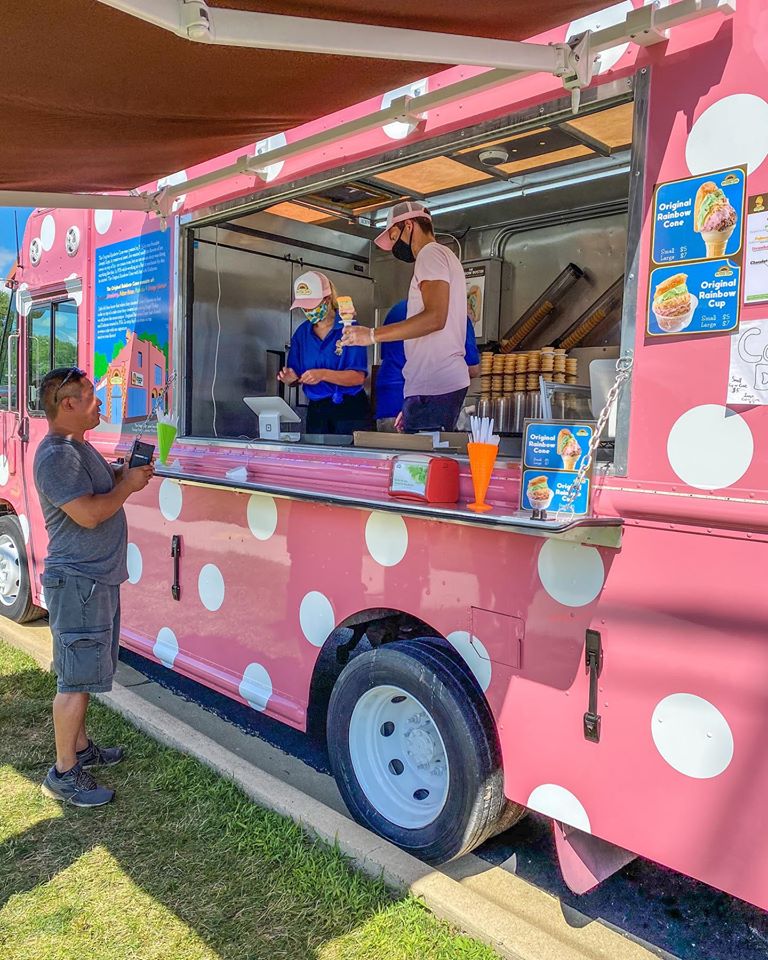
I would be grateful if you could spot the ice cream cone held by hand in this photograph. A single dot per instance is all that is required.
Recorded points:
(347, 313)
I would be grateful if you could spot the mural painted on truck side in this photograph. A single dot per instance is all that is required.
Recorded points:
(131, 326)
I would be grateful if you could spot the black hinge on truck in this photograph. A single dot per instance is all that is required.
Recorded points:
(594, 664)
(176, 554)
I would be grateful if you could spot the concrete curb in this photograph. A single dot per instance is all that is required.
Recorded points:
(518, 921)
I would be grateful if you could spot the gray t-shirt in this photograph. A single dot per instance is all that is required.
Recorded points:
(65, 470)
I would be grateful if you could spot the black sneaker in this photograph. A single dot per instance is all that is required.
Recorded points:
(95, 756)
(76, 787)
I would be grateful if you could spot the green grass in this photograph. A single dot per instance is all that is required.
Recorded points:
(182, 866)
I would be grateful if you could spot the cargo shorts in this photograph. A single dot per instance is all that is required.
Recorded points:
(85, 623)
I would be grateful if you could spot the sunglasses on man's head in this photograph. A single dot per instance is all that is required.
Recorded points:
(73, 372)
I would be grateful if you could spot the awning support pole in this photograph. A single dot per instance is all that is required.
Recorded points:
(195, 20)
(75, 201)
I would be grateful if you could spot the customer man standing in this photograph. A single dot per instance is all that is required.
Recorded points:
(435, 372)
(82, 499)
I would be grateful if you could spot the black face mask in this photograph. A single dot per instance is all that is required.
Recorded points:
(402, 250)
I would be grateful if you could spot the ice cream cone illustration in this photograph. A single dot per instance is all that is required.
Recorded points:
(716, 241)
(568, 448)
(166, 434)
(714, 218)
(474, 303)
(482, 457)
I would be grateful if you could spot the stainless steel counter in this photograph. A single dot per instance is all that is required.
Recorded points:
(596, 531)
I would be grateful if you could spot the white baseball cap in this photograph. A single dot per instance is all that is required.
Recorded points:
(405, 210)
(310, 289)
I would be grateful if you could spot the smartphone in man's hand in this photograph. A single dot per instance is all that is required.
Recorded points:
(141, 454)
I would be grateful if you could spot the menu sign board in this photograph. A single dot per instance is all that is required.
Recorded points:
(756, 262)
(553, 452)
(695, 279)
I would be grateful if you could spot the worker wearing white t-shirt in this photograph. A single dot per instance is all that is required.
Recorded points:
(435, 328)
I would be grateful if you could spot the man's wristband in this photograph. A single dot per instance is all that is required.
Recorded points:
(373, 335)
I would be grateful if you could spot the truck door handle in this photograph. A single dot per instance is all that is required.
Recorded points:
(176, 554)
(594, 665)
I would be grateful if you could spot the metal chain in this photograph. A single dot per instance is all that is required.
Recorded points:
(154, 406)
(623, 373)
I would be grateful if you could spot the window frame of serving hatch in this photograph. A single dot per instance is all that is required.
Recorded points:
(634, 89)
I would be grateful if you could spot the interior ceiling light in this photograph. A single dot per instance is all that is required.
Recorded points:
(528, 191)
(541, 160)
(493, 157)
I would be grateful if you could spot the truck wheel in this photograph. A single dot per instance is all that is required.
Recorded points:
(15, 588)
(413, 749)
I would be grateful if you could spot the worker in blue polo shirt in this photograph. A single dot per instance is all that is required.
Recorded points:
(332, 380)
(390, 381)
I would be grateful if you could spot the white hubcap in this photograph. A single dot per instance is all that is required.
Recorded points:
(10, 571)
(399, 757)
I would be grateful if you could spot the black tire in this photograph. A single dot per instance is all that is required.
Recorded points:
(475, 807)
(21, 609)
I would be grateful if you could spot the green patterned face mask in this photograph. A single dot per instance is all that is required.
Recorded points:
(316, 314)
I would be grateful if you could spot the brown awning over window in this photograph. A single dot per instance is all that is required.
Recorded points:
(94, 99)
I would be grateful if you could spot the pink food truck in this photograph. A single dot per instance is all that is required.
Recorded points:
(604, 665)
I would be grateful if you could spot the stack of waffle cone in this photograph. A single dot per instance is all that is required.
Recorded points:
(547, 361)
(583, 329)
(525, 328)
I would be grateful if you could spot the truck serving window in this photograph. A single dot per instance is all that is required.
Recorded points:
(52, 342)
(537, 209)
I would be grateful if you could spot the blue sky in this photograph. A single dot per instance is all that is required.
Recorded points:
(8, 237)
